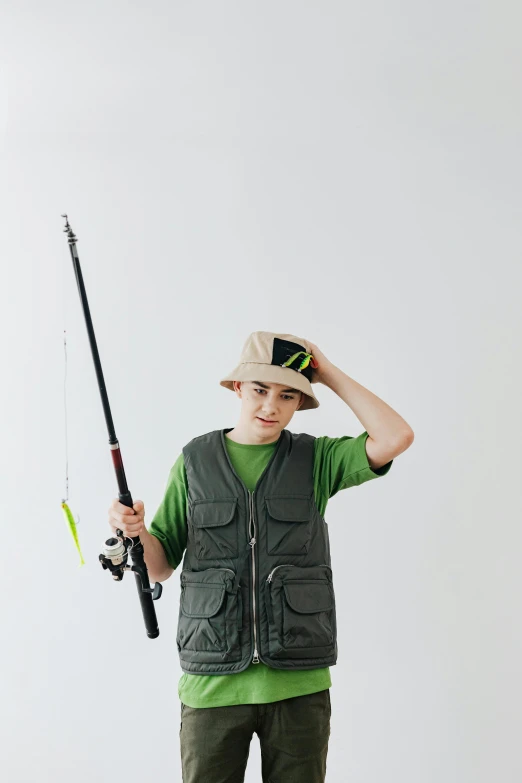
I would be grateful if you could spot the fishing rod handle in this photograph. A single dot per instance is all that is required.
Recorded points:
(141, 577)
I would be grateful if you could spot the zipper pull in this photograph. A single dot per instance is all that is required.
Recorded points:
(252, 541)
(255, 659)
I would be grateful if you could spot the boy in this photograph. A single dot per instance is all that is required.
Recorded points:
(257, 621)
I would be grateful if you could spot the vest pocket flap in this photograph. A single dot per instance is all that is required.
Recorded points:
(201, 600)
(289, 509)
(213, 513)
(309, 597)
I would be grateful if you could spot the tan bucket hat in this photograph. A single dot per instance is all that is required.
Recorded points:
(276, 358)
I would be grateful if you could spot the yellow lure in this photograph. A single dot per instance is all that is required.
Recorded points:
(72, 527)
(305, 362)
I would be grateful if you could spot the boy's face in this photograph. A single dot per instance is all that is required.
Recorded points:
(267, 407)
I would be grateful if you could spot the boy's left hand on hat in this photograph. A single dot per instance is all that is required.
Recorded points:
(320, 364)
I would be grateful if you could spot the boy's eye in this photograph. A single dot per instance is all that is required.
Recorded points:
(286, 396)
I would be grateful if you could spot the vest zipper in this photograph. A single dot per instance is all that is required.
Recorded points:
(290, 565)
(252, 542)
(287, 565)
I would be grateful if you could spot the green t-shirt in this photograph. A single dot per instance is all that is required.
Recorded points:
(339, 463)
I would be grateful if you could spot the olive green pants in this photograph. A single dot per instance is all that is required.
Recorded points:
(293, 734)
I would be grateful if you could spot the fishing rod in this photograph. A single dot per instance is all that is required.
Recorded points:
(117, 549)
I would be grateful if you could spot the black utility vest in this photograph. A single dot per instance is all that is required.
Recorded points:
(256, 579)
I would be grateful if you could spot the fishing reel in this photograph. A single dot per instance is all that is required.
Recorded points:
(114, 558)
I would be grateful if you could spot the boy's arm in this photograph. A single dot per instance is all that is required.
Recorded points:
(341, 463)
(388, 433)
(379, 454)
(155, 558)
(166, 539)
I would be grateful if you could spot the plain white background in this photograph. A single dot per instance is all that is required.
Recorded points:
(346, 172)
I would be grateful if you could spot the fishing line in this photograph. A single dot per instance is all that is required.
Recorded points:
(66, 498)
(69, 518)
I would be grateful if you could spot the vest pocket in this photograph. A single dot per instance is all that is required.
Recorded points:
(288, 524)
(300, 606)
(209, 616)
(214, 527)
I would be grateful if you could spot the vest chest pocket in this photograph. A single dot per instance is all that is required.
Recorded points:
(209, 616)
(300, 605)
(214, 528)
(288, 524)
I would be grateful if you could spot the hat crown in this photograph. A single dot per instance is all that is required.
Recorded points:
(275, 357)
(259, 346)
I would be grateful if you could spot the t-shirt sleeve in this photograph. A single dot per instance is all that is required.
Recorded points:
(340, 463)
(169, 523)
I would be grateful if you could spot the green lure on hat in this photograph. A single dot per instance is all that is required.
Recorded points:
(304, 363)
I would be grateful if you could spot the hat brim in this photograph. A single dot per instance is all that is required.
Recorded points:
(272, 373)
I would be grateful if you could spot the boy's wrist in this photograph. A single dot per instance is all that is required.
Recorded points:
(328, 374)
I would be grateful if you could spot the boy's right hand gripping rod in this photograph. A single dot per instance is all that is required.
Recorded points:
(115, 550)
